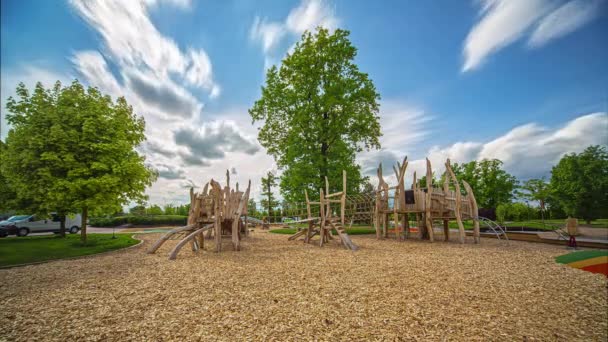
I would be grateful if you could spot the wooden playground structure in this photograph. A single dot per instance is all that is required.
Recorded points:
(428, 204)
(328, 219)
(216, 212)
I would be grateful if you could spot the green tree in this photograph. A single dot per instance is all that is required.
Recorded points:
(154, 210)
(138, 210)
(536, 190)
(579, 183)
(7, 194)
(491, 184)
(318, 111)
(252, 209)
(72, 149)
(268, 202)
(169, 209)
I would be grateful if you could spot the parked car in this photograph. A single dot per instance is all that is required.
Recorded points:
(23, 225)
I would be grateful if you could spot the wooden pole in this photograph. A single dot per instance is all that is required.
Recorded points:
(322, 214)
(474, 211)
(458, 201)
(429, 202)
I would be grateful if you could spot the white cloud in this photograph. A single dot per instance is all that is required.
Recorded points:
(502, 22)
(93, 67)
(182, 4)
(132, 40)
(267, 33)
(404, 126)
(528, 151)
(309, 15)
(565, 19)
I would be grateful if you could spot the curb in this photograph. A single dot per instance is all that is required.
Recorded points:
(141, 241)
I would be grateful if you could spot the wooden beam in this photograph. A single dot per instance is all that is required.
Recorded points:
(448, 167)
(474, 211)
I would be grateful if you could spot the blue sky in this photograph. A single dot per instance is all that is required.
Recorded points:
(524, 81)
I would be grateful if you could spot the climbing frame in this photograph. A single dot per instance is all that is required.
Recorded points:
(328, 219)
(428, 204)
(215, 212)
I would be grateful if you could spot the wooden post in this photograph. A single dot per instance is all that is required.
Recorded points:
(446, 230)
(218, 219)
(322, 214)
(237, 218)
(474, 211)
(458, 201)
(343, 198)
(429, 193)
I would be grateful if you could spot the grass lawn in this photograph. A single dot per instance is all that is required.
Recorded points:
(20, 250)
(360, 229)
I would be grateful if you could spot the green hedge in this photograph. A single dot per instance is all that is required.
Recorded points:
(150, 220)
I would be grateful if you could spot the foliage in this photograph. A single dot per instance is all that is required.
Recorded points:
(7, 194)
(14, 251)
(268, 201)
(579, 183)
(490, 183)
(138, 210)
(148, 220)
(252, 209)
(155, 210)
(318, 110)
(515, 212)
(72, 150)
(536, 190)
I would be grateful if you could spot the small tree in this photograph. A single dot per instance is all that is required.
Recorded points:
(252, 209)
(579, 183)
(154, 210)
(537, 190)
(138, 210)
(269, 201)
(72, 150)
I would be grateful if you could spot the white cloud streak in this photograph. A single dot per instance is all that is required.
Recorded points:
(527, 151)
(308, 15)
(503, 22)
(565, 19)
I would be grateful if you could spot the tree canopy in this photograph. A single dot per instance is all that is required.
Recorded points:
(579, 183)
(72, 150)
(318, 111)
(492, 185)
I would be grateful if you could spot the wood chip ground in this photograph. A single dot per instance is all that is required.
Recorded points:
(279, 290)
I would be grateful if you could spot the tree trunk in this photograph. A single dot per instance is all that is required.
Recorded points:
(83, 225)
(62, 225)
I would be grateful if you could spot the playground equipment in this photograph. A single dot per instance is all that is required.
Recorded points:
(327, 221)
(428, 204)
(216, 212)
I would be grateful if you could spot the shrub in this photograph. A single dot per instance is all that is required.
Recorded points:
(172, 220)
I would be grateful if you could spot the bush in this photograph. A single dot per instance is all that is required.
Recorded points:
(172, 220)
(516, 212)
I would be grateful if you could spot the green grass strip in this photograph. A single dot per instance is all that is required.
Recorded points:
(23, 250)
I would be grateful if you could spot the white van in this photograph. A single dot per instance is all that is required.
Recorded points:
(34, 225)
